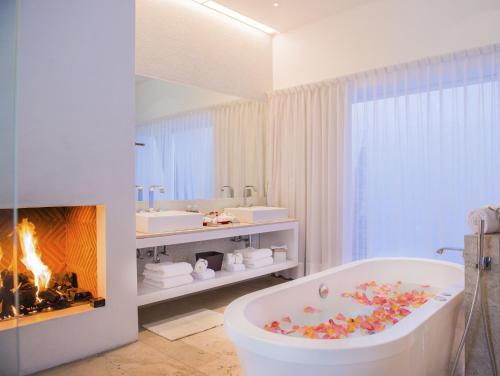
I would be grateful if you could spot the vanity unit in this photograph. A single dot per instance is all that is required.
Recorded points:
(277, 232)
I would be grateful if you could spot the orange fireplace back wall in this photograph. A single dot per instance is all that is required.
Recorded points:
(67, 240)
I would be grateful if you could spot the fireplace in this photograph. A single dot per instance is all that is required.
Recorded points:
(58, 261)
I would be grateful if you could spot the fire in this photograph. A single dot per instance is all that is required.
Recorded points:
(31, 255)
(1, 254)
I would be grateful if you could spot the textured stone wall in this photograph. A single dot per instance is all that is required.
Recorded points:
(476, 351)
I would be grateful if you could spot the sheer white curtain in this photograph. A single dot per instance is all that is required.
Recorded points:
(305, 167)
(194, 154)
(425, 151)
(389, 162)
(178, 154)
(240, 145)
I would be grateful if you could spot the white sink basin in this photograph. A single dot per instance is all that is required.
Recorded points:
(165, 221)
(256, 214)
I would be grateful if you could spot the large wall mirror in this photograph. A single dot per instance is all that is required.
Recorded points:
(197, 143)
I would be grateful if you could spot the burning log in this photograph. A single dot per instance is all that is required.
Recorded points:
(62, 292)
(65, 281)
(6, 293)
(55, 298)
(7, 299)
(78, 295)
(25, 288)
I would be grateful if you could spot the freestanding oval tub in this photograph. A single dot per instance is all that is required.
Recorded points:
(421, 343)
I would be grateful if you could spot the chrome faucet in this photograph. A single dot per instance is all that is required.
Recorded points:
(151, 206)
(484, 262)
(440, 251)
(140, 196)
(247, 192)
(231, 190)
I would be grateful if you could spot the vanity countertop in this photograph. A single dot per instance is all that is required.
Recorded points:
(141, 235)
(144, 240)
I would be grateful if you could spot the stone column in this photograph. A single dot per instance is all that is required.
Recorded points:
(476, 351)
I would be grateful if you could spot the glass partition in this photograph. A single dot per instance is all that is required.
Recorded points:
(9, 281)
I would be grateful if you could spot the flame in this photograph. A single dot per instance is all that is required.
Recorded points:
(31, 255)
(1, 256)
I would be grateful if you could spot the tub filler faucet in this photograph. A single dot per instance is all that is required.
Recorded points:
(484, 262)
(440, 251)
(152, 188)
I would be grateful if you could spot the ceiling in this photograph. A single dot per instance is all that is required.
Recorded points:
(290, 14)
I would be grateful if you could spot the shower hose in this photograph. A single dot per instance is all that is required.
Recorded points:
(481, 267)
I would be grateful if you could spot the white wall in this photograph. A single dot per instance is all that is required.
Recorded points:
(156, 99)
(183, 41)
(382, 33)
(76, 147)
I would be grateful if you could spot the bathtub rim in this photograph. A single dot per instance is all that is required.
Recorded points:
(304, 350)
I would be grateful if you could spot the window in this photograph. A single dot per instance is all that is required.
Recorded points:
(420, 162)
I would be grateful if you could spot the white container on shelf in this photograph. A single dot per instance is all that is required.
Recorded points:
(279, 253)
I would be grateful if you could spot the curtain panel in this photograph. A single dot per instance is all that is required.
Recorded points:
(306, 162)
(387, 162)
(239, 134)
(425, 151)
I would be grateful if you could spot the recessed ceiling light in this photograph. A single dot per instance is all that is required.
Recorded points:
(276, 4)
(237, 16)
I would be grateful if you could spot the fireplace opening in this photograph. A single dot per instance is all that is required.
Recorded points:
(50, 258)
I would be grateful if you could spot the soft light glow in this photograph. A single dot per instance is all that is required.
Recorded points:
(237, 16)
(31, 255)
(276, 4)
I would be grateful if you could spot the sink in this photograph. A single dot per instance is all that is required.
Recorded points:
(165, 221)
(256, 214)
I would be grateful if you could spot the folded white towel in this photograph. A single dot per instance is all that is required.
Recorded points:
(201, 265)
(254, 264)
(235, 267)
(167, 283)
(229, 258)
(243, 250)
(169, 269)
(207, 274)
(238, 258)
(257, 254)
(491, 216)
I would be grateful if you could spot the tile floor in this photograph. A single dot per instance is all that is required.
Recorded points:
(204, 354)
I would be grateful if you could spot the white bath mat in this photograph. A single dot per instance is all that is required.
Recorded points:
(181, 326)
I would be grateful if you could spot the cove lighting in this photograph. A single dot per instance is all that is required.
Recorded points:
(237, 16)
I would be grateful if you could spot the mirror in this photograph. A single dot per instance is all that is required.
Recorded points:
(197, 143)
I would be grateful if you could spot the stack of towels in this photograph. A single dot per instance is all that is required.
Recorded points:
(489, 214)
(233, 262)
(257, 258)
(201, 270)
(166, 275)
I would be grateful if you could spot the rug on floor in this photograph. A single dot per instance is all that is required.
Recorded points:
(185, 325)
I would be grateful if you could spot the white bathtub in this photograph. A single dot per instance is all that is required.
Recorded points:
(419, 344)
